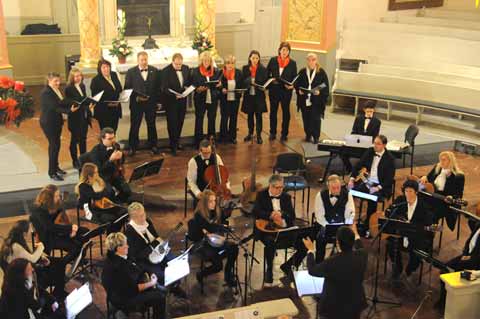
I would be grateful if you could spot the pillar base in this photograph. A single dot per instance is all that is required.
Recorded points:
(6, 70)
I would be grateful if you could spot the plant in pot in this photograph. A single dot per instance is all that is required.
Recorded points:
(120, 47)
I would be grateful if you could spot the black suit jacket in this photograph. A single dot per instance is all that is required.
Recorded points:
(99, 155)
(454, 184)
(373, 128)
(52, 108)
(386, 168)
(263, 207)
(138, 248)
(98, 84)
(343, 294)
(199, 80)
(198, 223)
(48, 231)
(150, 87)
(170, 81)
(318, 101)
(238, 85)
(289, 73)
(254, 103)
(78, 121)
(14, 306)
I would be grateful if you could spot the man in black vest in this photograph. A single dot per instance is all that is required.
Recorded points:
(333, 206)
(144, 80)
(196, 169)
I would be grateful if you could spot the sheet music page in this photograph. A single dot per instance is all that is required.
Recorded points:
(308, 285)
(125, 95)
(97, 97)
(188, 90)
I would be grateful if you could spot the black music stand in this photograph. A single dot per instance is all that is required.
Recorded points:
(145, 170)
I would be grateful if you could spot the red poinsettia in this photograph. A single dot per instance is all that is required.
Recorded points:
(11, 103)
(19, 86)
(6, 82)
(3, 105)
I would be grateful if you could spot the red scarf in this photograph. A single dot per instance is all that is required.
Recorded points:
(282, 63)
(229, 75)
(206, 72)
(253, 70)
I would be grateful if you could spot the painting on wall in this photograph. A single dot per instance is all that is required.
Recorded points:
(413, 4)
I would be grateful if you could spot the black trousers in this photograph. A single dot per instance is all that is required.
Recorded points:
(228, 119)
(53, 135)
(150, 297)
(215, 256)
(200, 110)
(284, 100)
(136, 116)
(175, 119)
(124, 191)
(108, 120)
(394, 246)
(269, 254)
(371, 205)
(72, 246)
(251, 123)
(78, 141)
(52, 275)
(312, 121)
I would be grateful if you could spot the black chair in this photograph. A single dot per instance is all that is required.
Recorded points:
(194, 199)
(293, 165)
(194, 251)
(91, 221)
(116, 313)
(410, 135)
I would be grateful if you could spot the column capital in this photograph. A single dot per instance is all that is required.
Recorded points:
(4, 61)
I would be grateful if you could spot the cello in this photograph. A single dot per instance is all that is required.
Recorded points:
(216, 177)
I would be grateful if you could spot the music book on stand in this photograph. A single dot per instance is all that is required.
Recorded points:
(185, 93)
(306, 284)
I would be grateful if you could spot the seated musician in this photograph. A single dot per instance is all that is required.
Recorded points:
(205, 223)
(364, 124)
(344, 274)
(197, 167)
(106, 155)
(98, 198)
(129, 288)
(142, 238)
(410, 208)
(380, 167)
(54, 231)
(50, 270)
(468, 260)
(448, 180)
(333, 205)
(272, 204)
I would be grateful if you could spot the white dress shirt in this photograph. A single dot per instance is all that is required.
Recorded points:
(473, 241)
(180, 77)
(231, 88)
(79, 89)
(252, 87)
(208, 99)
(144, 74)
(410, 210)
(277, 207)
(373, 177)
(365, 125)
(441, 179)
(320, 209)
(192, 174)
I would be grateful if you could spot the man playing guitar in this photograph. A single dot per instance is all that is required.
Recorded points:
(374, 174)
(274, 208)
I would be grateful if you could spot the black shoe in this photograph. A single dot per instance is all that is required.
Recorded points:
(199, 277)
(308, 139)
(61, 171)
(132, 152)
(284, 138)
(315, 140)
(272, 137)
(248, 138)
(155, 150)
(76, 164)
(268, 282)
(174, 151)
(287, 269)
(259, 140)
(178, 292)
(234, 141)
(179, 147)
(56, 177)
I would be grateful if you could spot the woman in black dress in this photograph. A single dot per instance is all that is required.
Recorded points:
(206, 95)
(205, 222)
(230, 100)
(79, 121)
(53, 104)
(254, 103)
(107, 113)
(312, 104)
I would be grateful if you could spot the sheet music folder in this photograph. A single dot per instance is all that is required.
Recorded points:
(306, 284)
(78, 300)
(146, 169)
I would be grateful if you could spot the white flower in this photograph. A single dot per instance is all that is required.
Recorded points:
(121, 50)
(204, 34)
(123, 42)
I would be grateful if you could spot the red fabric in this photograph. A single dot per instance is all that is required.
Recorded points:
(253, 70)
(206, 72)
(282, 63)
(229, 75)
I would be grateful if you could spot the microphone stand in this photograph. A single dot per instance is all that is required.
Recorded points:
(375, 300)
(246, 255)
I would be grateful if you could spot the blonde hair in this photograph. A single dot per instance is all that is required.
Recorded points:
(313, 55)
(453, 163)
(115, 240)
(133, 207)
(230, 59)
(205, 55)
(88, 171)
(71, 75)
(202, 205)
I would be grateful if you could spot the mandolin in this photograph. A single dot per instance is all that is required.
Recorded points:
(268, 226)
(104, 203)
(429, 189)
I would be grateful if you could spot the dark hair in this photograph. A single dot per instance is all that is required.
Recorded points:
(15, 235)
(14, 279)
(410, 184)
(101, 62)
(370, 104)
(382, 138)
(204, 143)
(252, 53)
(284, 44)
(105, 131)
(345, 238)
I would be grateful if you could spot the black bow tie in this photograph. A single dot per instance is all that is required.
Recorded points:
(333, 196)
(144, 70)
(368, 118)
(274, 197)
(378, 155)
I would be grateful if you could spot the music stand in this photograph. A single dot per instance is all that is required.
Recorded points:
(145, 170)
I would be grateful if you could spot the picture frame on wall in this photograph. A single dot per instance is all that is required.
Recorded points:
(413, 4)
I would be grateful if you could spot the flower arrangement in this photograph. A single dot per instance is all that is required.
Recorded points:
(120, 47)
(201, 42)
(16, 104)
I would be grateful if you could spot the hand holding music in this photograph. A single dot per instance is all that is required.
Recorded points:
(316, 92)
(113, 104)
(91, 107)
(308, 244)
(374, 189)
(465, 258)
(142, 99)
(224, 91)
(301, 92)
(74, 108)
(423, 180)
(288, 87)
(201, 89)
(218, 85)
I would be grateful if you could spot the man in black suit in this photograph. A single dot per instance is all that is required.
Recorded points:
(343, 294)
(144, 80)
(410, 208)
(380, 166)
(176, 77)
(105, 155)
(364, 124)
(274, 205)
